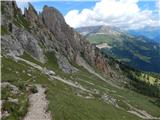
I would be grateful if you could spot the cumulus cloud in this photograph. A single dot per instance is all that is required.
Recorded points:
(118, 13)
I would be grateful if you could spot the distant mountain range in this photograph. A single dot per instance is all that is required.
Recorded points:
(151, 32)
(137, 51)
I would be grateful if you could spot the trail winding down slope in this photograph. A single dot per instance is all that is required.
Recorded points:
(38, 106)
(41, 95)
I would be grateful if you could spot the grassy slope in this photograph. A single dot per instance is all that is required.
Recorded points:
(66, 105)
(9, 69)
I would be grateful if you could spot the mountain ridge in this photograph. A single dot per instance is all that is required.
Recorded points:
(141, 52)
(150, 32)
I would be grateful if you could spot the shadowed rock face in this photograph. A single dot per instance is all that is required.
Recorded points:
(48, 31)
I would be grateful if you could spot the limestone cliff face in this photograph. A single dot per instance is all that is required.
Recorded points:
(47, 31)
(18, 37)
(71, 42)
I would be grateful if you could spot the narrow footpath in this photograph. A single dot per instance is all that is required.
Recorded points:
(38, 106)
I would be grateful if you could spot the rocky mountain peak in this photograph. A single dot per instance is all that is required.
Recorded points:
(37, 34)
(31, 8)
(31, 14)
(52, 18)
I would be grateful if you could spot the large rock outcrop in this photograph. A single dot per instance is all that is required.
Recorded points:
(47, 31)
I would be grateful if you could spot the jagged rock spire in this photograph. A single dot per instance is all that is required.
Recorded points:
(31, 13)
(52, 18)
(31, 9)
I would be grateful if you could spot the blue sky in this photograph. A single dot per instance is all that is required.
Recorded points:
(66, 6)
(77, 13)
(62, 6)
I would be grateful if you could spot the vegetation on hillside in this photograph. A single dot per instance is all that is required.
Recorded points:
(137, 52)
(64, 99)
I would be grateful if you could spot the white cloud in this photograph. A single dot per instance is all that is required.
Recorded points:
(119, 13)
